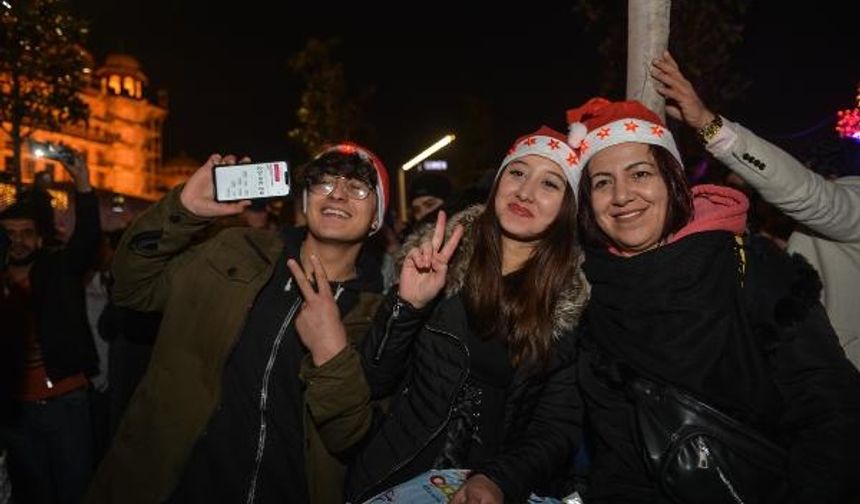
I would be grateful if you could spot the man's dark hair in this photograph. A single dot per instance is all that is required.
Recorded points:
(36, 206)
(350, 165)
(21, 209)
(430, 184)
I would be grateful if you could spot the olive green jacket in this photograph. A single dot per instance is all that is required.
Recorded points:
(205, 290)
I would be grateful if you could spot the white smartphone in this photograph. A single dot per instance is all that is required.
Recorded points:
(251, 181)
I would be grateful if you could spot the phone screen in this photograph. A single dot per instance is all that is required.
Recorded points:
(251, 181)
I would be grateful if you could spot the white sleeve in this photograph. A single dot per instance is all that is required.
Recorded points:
(830, 208)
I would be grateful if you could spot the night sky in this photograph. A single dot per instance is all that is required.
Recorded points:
(430, 63)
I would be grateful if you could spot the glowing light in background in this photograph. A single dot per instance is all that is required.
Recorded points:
(59, 199)
(848, 121)
(428, 151)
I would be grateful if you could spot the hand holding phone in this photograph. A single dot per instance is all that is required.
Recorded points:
(198, 194)
(72, 161)
(49, 150)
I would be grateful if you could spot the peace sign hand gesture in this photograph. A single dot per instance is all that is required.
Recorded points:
(424, 268)
(318, 322)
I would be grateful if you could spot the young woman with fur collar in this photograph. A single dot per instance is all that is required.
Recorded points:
(478, 342)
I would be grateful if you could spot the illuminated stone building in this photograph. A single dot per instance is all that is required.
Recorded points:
(122, 142)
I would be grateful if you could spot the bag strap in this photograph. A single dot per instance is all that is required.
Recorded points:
(634, 381)
(741, 253)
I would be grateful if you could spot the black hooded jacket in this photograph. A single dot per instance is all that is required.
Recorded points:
(423, 355)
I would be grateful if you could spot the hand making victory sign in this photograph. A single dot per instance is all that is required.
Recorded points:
(318, 322)
(424, 268)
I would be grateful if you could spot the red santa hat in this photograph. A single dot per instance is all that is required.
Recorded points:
(550, 144)
(600, 123)
(383, 192)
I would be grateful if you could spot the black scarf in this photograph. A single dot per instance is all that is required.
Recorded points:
(675, 314)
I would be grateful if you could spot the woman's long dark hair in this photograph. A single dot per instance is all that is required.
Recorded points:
(520, 309)
(679, 211)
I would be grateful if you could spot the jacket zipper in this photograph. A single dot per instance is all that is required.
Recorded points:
(447, 415)
(704, 454)
(232, 347)
(264, 396)
(264, 391)
(395, 314)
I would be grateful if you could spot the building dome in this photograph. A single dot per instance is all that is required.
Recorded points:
(121, 75)
(123, 64)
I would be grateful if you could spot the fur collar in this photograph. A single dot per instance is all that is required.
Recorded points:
(567, 310)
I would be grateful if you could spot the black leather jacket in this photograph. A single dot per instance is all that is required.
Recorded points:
(422, 356)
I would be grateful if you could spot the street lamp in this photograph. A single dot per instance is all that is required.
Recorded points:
(401, 173)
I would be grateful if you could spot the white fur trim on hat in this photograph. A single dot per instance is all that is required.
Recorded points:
(550, 148)
(622, 131)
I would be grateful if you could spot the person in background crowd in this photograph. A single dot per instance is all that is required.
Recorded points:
(97, 291)
(828, 210)
(42, 306)
(427, 194)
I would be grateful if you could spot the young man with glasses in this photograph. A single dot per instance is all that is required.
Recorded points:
(229, 408)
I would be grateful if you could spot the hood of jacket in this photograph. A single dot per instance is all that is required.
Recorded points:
(715, 208)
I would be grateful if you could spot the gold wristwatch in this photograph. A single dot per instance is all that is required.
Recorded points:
(709, 131)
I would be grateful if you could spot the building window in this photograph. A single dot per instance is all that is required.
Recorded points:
(138, 89)
(114, 84)
(128, 86)
(101, 179)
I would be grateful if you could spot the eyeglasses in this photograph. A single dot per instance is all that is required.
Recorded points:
(354, 188)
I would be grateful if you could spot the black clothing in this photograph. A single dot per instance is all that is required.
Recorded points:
(228, 450)
(56, 283)
(539, 421)
(686, 314)
(447, 382)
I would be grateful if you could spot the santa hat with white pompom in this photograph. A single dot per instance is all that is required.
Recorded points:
(600, 123)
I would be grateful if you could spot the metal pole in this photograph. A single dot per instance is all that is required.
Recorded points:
(402, 211)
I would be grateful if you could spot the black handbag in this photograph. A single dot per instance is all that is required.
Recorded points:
(698, 454)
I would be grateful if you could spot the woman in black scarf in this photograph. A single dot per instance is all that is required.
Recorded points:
(679, 299)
